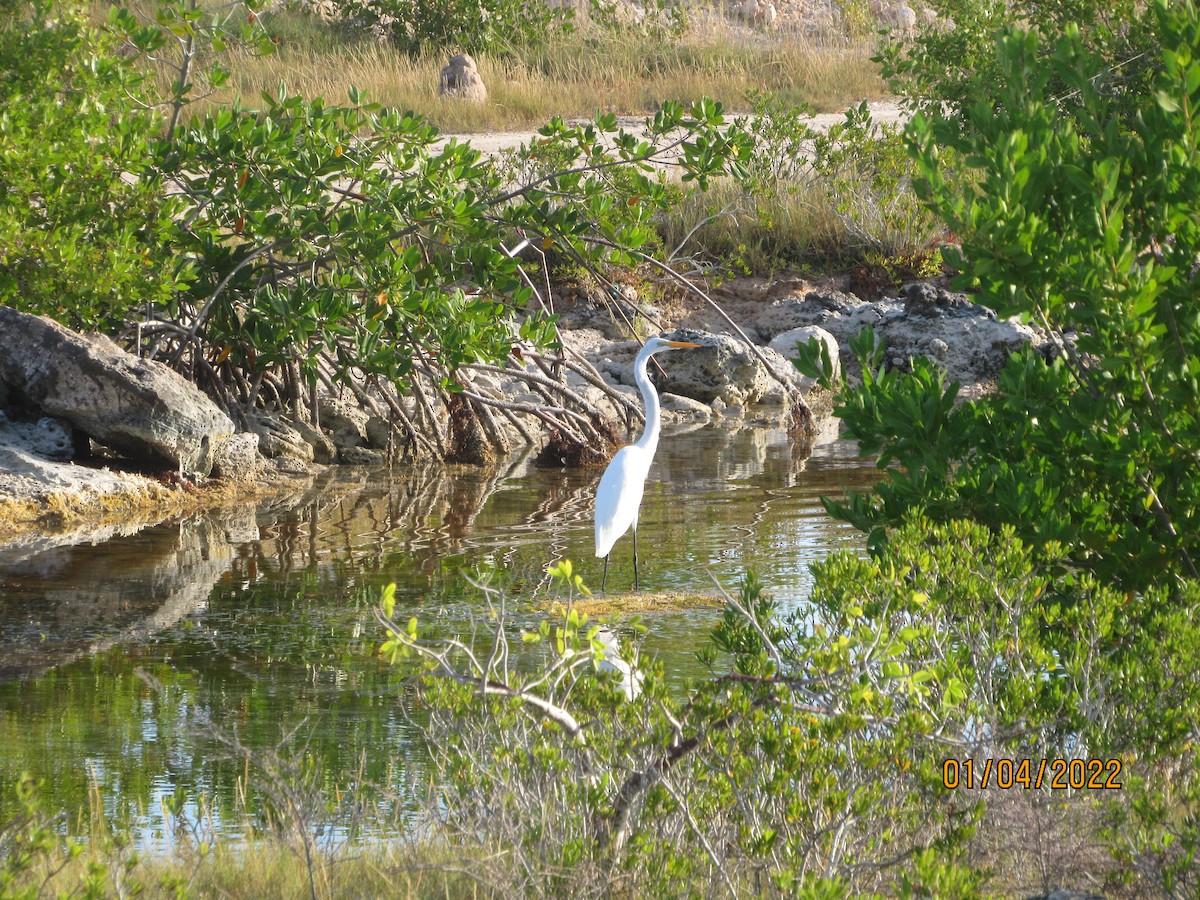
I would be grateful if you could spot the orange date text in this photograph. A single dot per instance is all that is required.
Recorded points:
(1032, 774)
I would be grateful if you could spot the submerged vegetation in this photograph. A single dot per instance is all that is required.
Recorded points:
(1031, 592)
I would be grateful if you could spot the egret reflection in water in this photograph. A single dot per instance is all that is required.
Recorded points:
(258, 618)
(619, 494)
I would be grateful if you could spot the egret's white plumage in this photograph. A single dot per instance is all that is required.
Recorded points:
(630, 678)
(619, 494)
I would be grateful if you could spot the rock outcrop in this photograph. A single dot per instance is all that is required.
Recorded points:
(138, 408)
(724, 373)
(48, 438)
(461, 79)
(966, 340)
(786, 343)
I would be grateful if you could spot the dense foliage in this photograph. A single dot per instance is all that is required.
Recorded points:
(814, 757)
(82, 219)
(949, 70)
(473, 26)
(1031, 592)
(1080, 216)
(307, 242)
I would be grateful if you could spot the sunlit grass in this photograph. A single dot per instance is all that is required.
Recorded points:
(262, 869)
(795, 225)
(570, 75)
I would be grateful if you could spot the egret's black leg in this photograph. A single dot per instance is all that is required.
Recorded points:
(635, 574)
(604, 577)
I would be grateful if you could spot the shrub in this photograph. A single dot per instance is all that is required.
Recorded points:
(813, 756)
(1085, 224)
(82, 220)
(474, 26)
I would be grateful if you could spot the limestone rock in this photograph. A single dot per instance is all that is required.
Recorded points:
(346, 422)
(461, 79)
(277, 439)
(765, 15)
(921, 299)
(905, 18)
(787, 341)
(841, 315)
(48, 438)
(236, 458)
(324, 450)
(722, 374)
(363, 456)
(966, 339)
(383, 435)
(723, 367)
(686, 408)
(136, 407)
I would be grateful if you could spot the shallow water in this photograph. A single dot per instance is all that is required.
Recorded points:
(138, 670)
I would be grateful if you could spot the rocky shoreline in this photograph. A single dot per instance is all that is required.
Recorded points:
(91, 436)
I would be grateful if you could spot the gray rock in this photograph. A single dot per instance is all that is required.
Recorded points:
(345, 422)
(842, 315)
(686, 407)
(290, 467)
(964, 338)
(48, 438)
(461, 79)
(786, 343)
(236, 458)
(324, 450)
(968, 348)
(277, 439)
(362, 456)
(722, 367)
(922, 299)
(136, 407)
(724, 374)
(383, 435)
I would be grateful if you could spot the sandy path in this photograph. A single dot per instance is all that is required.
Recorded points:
(493, 142)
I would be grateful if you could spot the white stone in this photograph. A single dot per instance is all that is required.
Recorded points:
(786, 342)
(461, 79)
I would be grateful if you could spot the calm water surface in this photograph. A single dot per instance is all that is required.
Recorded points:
(136, 670)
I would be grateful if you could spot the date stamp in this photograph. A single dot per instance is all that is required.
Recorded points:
(1032, 774)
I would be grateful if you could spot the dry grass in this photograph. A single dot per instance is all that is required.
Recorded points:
(572, 75)
(261, 869)
(793, 226)
(639, 602)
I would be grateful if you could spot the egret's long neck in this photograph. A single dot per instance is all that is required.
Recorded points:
(649, 438)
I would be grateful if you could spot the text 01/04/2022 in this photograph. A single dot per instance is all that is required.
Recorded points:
(1032, 774)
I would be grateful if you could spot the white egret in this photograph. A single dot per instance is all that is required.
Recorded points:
(630, 678)
(620, 492)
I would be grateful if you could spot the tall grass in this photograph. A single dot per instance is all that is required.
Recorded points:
(794, 225)
(568, 75)
(261, 868)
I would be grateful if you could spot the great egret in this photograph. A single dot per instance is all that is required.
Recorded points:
(611, 661)
(620, 492)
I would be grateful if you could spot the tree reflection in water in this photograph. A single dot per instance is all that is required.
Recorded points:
(255, 622)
